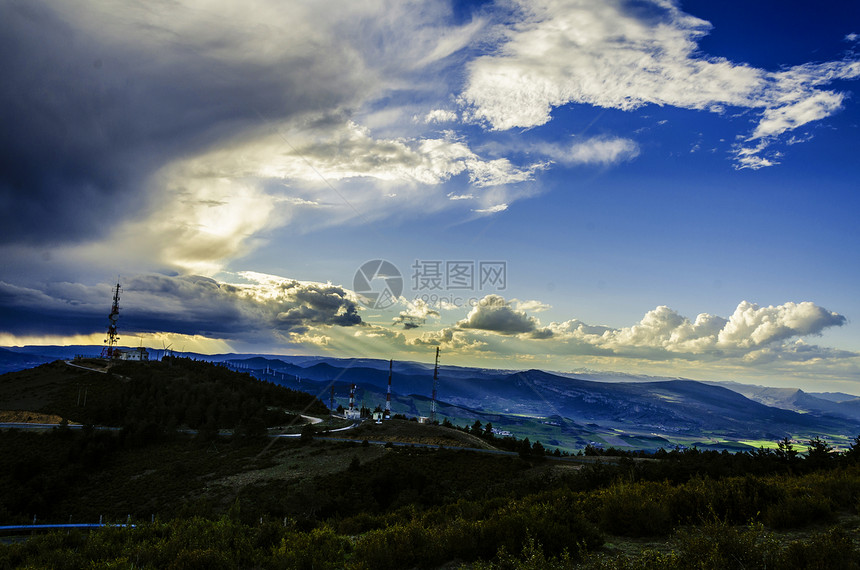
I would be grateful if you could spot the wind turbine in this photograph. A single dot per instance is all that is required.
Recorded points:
(165, 350)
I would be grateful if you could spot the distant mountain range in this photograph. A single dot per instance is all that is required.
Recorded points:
(629, 411)
(828, 403)
(12, 360)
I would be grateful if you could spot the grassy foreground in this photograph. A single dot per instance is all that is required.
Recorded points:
(205, 500)
(372, 507)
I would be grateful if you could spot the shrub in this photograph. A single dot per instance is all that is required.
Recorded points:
(798, 510)
(319, 549)
(200, 559)
(716, 544)
(826, 550)
(402, 545)
(636, 510)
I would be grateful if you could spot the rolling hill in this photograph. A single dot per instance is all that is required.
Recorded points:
(626, 413)
(560, 408)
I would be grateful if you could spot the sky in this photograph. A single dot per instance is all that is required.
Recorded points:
(652, 187)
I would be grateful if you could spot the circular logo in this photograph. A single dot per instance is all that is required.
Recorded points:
(378, 284)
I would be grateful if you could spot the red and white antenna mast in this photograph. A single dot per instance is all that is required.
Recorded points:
(351, 412)
(387, 414)
(110, 350)
(435, 386)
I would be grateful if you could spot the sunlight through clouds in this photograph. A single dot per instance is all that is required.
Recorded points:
(627, 161)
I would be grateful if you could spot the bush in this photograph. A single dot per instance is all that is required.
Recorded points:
(716, 544)
(824, 551)
(636, 510)
(319, 549)
(798, 510)
(402, 545)
(201, 559)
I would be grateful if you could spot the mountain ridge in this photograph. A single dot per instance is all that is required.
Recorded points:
(557, 406)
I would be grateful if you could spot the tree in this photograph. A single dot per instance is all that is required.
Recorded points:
(307, 433)
(476, 427)
(852, 454)
(525, 448)
(818, 452)
(785, 451)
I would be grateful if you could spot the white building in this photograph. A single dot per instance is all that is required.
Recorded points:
(352, 414)
(139, 353)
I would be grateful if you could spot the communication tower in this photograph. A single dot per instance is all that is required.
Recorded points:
(435, 386)
(110, 351)
(387, 414)
(352, 413)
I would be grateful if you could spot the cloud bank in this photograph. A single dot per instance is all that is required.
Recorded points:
(752, 334)
(197, 131)
(604, 54)
(264, 309)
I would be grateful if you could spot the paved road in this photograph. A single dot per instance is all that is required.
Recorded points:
(27, 425)
(569, 459)
(72, 364)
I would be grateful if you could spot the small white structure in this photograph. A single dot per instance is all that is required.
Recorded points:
(139, 353)
(352, 414)
(423, 420)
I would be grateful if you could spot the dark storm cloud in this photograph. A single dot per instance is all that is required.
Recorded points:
(316, 304)
(190, 305)
(61, 309)
(92, 103)
(199, 305)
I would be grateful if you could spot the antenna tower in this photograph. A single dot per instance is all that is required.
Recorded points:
(110, 350)
(435, 386)
(352, 413)
(387, 414)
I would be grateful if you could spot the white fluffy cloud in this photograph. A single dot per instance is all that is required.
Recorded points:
(599, 150)
(341, 150)
(754, 326)
(440, 116)
(496, 315)
(493, 313)
(664, 331)
(530, 306)
(416, 313)
(751, 335)
(603, 54)
(213, 207)
(449, 338)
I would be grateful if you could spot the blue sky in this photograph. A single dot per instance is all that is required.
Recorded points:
(670, 187)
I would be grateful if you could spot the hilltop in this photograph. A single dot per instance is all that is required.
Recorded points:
(183, 436)
(175, 393)
(565, 411)
(221, 497)
(562, 410)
